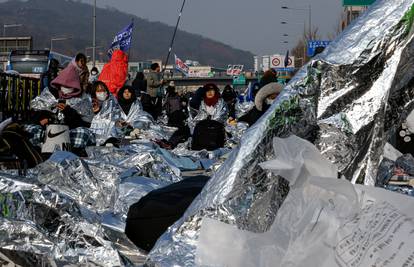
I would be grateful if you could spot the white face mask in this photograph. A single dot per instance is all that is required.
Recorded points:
(94, 73)
(269, 101)
(101, 96)
(66, 90)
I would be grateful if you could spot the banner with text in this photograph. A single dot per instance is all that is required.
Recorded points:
(122, 40)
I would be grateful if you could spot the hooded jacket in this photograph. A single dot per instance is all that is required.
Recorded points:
(115, 72)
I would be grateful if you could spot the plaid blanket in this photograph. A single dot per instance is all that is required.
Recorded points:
(80, 137)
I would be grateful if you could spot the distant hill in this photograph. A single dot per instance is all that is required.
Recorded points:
(44, 19)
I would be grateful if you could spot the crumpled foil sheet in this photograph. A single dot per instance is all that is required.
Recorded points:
(346, 100)
(72, 211)
(103, 123)
(46, 101)
(236, 132)
(43, 227)
(220, 114)
(243, 107)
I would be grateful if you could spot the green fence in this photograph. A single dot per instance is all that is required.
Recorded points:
(15, 95)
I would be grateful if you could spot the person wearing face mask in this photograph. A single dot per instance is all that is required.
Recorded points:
(94, 75)
(69, 106)
(106, 110)
(100, 93)
(263, 100)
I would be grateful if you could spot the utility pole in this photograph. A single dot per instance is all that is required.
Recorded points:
(310, 21)
(94, 35)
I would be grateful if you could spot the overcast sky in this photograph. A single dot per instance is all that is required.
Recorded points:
(253, 25)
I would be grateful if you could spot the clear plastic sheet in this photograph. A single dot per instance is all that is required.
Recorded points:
(346, 101)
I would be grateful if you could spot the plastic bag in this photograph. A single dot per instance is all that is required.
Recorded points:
(322, 222)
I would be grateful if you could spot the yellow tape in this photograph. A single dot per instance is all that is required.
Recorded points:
(16, 107)
(9, 104)
(24, 95)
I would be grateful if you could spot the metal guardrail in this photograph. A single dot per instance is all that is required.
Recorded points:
(15, 95)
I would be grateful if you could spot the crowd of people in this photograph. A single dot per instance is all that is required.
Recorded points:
(101, 108)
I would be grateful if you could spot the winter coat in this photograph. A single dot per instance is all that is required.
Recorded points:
(153, 83)
(115, 72)
(139, 84)
(260, 103)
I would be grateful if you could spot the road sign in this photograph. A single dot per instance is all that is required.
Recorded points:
(278, 61)
(312, 45)
(357, 2)
(239, 80)
(285, 69)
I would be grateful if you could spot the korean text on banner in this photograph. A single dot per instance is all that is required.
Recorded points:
(122, 40)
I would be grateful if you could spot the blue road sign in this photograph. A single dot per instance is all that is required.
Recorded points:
(312, 45)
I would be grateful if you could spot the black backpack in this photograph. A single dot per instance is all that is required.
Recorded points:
(151, 216)
(209, 135)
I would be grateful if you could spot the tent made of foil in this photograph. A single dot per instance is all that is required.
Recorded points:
(347, 101)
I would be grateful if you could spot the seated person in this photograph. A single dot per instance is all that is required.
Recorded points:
(263, 100)
(230, 97)
(66, 104)
(178, 119)
(106, 110)
(209, 130)
(173, 101)
(132, 114)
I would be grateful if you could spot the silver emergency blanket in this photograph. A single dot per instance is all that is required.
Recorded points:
(220, 114)
(346, 101)
(46, 101)
(107, 124)
(104, 121)
(72, 211)
(236, 132)
(242, 108)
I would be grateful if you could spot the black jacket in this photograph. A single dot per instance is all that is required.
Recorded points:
(73, 119)
(252, 116)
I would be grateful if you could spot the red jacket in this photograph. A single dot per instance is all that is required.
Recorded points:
(115, 72)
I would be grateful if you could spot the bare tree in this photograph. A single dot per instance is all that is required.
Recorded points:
(339, 27)
(299, 51)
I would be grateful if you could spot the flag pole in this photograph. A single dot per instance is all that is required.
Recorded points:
(172, 40)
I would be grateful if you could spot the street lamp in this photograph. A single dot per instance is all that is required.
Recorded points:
(309, 9)
(9, 26)
(57, 39)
